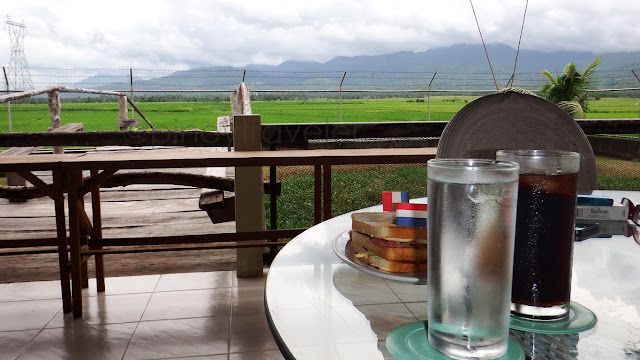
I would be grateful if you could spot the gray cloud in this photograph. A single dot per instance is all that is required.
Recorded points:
(176, 35)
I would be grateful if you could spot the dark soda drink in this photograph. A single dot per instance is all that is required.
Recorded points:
(544, 243)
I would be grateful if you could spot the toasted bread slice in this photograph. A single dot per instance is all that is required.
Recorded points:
(382, 225)
(405, 253)
(386, 265)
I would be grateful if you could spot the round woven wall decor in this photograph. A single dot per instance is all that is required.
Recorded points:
(512, 120)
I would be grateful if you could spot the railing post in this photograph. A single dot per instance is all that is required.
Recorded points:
(54, 116)
(249, 188)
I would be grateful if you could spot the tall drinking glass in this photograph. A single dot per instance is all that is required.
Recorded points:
(545, 230)
(472, 212)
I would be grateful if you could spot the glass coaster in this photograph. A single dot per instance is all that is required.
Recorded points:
(579, 319)
(409, 341)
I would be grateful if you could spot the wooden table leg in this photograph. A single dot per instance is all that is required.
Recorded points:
(85, 230)
(74, 184)
(97, 232)
(61, 230)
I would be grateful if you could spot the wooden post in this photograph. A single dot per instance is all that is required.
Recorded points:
(250, 213)
(54, 115)
(63, 252)
(74, 181)
(122, 112)
(240, 100)
(96, 232)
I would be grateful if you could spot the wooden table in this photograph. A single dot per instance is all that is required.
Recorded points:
(68, 179)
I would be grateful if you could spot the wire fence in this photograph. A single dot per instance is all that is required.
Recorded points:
(180, 100)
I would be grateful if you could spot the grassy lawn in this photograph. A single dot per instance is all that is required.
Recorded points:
(353, 187)
(617, 174)
(356, 187)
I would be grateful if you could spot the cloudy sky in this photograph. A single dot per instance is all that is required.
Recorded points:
(163, 34)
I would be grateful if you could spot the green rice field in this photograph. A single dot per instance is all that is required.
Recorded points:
(203, 115)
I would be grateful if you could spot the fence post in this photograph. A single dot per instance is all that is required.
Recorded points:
(54, 115)
(131, 80)
(341, 81)
(123, 123)
(429, 97)
(6, 79)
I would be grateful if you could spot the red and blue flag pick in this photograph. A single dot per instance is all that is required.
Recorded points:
(411, 215)
(391, 198)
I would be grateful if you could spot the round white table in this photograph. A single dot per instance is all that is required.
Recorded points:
(321, 308)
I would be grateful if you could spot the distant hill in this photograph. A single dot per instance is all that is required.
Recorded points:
(463, 65)
(103, 79)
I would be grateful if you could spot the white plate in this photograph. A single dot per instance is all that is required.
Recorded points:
(345, 253)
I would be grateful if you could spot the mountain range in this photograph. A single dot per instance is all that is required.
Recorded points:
(456, 64)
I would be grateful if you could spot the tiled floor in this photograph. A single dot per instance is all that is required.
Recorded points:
(194, 316)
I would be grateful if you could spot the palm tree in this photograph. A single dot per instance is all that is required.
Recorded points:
(569, 90)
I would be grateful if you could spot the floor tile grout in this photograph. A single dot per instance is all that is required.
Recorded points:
(235, 300)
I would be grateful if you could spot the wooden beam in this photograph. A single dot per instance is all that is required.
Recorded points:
(32, 251)
(37, 182)
(35, 242)
(185, 159)
(29, 93)
(95, 179)
(197, 239)
(107, 179)
(191, 138)
(139, 249)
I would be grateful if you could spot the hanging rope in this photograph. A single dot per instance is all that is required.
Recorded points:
(513, 74)
(485, 47)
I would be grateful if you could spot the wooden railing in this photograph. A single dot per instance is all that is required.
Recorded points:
(124, 122)
(291, 136)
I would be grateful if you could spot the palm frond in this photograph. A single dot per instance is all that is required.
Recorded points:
(549, 77)
(587, 72)
(572, 108)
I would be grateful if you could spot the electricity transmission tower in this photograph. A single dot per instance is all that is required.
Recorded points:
(18, 71)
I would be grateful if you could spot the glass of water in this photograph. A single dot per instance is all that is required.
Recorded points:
(472, 218)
